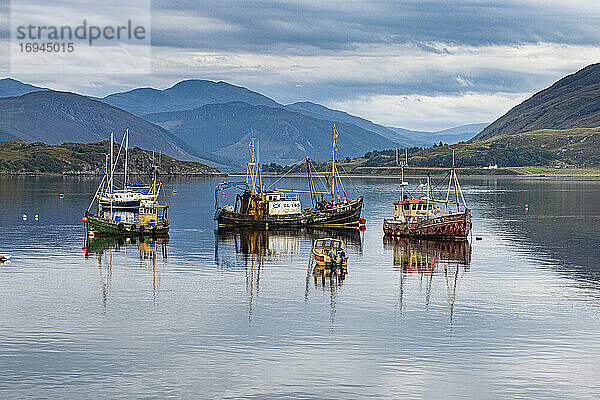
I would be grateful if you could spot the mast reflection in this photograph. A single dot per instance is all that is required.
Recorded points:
(252, 248)
(106, 248)
(426, 258)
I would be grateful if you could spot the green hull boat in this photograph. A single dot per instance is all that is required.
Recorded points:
(102, 226)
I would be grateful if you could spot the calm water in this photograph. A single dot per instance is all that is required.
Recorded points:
(230, 315)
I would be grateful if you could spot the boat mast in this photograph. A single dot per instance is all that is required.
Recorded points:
(253, 168)
(126, 147)
(454, 180)
(402, 165)
(455, 183)
(111, 162)
(111, 174)
(311, 184)
(333, 149)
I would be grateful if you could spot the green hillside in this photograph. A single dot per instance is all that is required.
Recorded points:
(549, 152)
(86, 159)
(572, 102)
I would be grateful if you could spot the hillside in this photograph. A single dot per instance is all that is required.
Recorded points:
(554, 149)
(569, 148)
(58, 117)
(86, 159)
(185, 95)
(283, 136)
(572, 102)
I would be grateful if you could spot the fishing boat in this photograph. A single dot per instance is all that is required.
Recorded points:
(329, 252)
(425, 216)
(131, 194)
(115, 217)
(261, 207)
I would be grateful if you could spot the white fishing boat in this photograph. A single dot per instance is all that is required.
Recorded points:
(118, 216)
(131, 194)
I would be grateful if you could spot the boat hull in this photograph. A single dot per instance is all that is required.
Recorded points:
(321, 260)
(448, 227)
(345, 216)
(102, 226)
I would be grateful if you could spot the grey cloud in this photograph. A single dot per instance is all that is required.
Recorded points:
(268, 27)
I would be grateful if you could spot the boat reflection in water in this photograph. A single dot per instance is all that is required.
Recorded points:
(252, 248)
(426, 258)
(326, 279)
(107, 248)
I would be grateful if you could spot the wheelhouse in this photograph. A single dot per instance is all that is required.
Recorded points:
(328, 244)
(414, 208)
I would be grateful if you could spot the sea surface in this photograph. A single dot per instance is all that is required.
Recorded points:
(207, 314)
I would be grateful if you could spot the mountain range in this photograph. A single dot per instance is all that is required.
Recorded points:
(56, 117)
(199, 120)
(283, 136)
(185, 95)
(212, 121)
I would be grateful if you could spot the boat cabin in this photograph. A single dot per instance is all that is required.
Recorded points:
(270, 203)
(411, 209)
(329, 251)
(148, 213)
(328, 244)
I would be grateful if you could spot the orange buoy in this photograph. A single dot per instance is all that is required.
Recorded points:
(84, 249)
(363, 220)
(24, 217)
(84, 219)
(36, 217)
(362, 228)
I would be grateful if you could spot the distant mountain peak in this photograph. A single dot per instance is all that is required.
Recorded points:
(187, 94)
(10, 87)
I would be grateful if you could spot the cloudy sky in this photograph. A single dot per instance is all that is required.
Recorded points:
(423, 64)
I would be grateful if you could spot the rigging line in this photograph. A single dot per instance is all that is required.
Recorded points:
(117, 158)
(441, 181)
(283, 176)
(349, 179)
(99, 190)
(320, 178)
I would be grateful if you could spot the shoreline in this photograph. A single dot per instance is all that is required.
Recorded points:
(466, 176)
(99, 175)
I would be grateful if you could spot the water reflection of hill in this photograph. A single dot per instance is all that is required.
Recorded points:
(562, 222)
